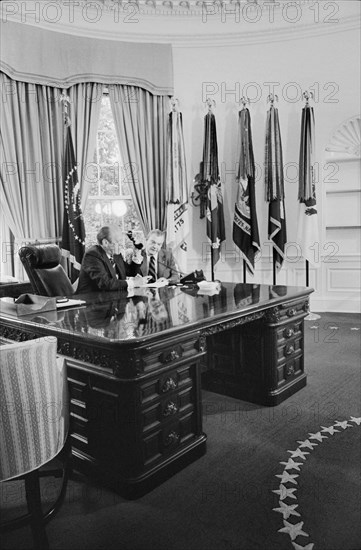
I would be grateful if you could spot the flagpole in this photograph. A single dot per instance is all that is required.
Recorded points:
(274, 270)
(244, 271)
(212, 263)
(311, 316)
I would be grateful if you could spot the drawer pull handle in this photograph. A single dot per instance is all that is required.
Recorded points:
(171, 439)
(291, 312)
(289, 350)
(169, 384)
(172, 355)
(289, 332)
(170, 408)
(290, 370)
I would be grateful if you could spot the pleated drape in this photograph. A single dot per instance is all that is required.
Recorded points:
(32, 151)
(140, 121)
(85, 104)
(31, 142)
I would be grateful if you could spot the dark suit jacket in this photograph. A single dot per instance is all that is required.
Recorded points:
(166, 266)
(97, 273)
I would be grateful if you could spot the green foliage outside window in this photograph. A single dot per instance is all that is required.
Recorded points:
(109, 200)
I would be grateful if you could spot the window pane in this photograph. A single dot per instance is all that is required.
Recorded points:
(92, 178)
(92, 223)
(109, 180)
(125, 187)
(109, 201)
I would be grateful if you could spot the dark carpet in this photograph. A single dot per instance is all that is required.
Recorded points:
(245, 493)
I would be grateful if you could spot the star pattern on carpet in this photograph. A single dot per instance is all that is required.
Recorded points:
(298, 454)
(286, 477)
(344, 424)
(287, 510)
(291, 464)
(330, 430)
(285, 492)
(295, 529)
(318, 436)
(308, 444)
(298, 547)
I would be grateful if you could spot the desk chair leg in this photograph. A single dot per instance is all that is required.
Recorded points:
(32, 490)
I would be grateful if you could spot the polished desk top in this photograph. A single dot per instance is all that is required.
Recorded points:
(151, 314)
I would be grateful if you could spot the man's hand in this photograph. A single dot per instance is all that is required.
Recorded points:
(140, 281)
(137, 256)
(163, 281)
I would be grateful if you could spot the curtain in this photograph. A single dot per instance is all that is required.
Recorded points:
(141, 125)
(6, 264)
(27, 55)
(85, 103)
(31, 144)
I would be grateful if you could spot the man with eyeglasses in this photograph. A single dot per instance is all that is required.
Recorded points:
(101, 269)
(156, 262)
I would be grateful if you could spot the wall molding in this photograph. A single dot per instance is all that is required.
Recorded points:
(346, 139)
(133, 21)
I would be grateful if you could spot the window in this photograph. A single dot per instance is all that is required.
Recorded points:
(109, 200)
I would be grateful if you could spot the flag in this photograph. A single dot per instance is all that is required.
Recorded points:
(274, 184)
(215, 219)
(210, 176)
(177, 191)
(307, 231)
(245, 225)
(73, 239)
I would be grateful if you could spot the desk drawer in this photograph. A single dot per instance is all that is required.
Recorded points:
(167, 383)
(79, 426)
(168, 408)
(290, 349)
(291, 330)
(290, 370)
(177, 349)
(165, 441)
(293, 310)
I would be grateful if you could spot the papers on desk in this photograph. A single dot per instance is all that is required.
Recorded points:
(209, 288)
(70, 303)
(35, 304)
(157, 284)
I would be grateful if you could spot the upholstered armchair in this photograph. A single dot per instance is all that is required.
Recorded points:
(34, 425)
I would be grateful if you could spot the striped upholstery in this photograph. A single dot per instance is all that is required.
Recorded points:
(33, 406)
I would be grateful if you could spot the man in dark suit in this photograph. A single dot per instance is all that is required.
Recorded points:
(157, 262)
(101, 269)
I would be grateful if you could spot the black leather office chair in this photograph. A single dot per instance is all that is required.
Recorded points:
(46, 275)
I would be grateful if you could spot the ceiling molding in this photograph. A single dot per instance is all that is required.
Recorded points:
(166, 7)
(106, 19)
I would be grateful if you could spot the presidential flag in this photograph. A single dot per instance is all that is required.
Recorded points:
(210, 176)
(274, 184)
(73, 239)
(307, 231)
(245, 225)
(177, 190)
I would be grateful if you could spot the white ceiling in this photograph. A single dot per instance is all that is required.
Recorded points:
(187, 23)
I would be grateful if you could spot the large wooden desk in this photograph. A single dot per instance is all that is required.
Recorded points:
(135, 384)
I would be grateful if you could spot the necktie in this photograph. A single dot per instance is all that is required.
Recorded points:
(112, 261)
(151, 270)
